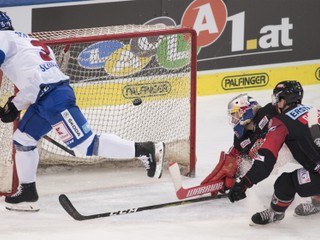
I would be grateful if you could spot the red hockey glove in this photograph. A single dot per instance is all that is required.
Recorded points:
(238, 191)
(9, 112)
(227, 167)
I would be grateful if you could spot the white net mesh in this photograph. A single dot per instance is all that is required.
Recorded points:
(110, 67)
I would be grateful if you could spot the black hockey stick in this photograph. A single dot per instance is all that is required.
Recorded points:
(59, 145)
(73, 212)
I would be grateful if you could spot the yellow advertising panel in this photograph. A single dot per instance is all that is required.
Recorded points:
(259, 79)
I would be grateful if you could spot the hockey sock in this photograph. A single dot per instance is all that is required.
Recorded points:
(279, 205)
(112, 146)
(27, 164)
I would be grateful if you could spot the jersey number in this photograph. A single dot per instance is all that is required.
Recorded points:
(44, 53)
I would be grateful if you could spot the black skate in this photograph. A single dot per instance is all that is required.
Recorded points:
(306, 209)
(24, 199)
(152, 156)
(266, 216)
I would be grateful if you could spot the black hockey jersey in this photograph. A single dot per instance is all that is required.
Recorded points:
(261, 120)
(290, 127)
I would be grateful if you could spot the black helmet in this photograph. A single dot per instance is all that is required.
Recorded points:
(289, 90)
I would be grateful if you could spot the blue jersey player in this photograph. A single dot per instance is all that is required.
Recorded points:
(50, 103)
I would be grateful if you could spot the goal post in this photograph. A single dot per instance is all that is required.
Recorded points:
(134, 81)
(8, 175)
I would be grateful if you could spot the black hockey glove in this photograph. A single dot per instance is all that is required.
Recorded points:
(9, 112)
(238, 191)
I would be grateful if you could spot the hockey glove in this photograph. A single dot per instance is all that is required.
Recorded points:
(238, 191)
(9, 112)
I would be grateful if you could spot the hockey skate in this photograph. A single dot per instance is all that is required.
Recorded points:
(152, 156)
(306, 209)
(24, 199)
(265, 217)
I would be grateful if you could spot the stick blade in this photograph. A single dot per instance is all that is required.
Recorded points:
(69, 208)
(175, 174)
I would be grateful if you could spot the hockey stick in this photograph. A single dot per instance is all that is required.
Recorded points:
(59, 145)
(74, 213)
(183, 193)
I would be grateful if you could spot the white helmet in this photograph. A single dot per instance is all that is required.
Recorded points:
(240, 104)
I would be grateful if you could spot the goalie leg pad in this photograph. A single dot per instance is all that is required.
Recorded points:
(229, 182)
(216, 169)
(227, 167)
(230, 167)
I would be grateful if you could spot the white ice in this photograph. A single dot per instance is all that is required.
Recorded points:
(103, 190)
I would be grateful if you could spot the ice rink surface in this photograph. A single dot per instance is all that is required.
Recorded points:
(102, 190)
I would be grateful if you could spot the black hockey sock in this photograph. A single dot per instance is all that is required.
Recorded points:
(279, 205)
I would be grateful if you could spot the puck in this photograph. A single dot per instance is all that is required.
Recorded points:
(137, 101)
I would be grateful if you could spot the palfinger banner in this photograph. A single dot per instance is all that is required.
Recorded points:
(243, 45)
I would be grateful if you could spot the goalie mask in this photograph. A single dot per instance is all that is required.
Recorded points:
(5, 22)
(241, 110)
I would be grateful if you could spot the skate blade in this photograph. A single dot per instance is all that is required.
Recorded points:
(305, 215)
(23, 207)
(252, 224)
(160, 150)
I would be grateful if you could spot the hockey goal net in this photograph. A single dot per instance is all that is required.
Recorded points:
(110, 69)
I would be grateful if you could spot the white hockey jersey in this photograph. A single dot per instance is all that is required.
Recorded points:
(28, 63)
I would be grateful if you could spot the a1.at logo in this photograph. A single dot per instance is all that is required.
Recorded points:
(208, 18)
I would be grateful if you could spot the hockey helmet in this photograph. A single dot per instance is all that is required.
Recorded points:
(289, 90)
(238, 106)
(5, 22)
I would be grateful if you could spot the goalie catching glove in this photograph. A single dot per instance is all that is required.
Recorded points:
(9, 112)
(225, 170)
